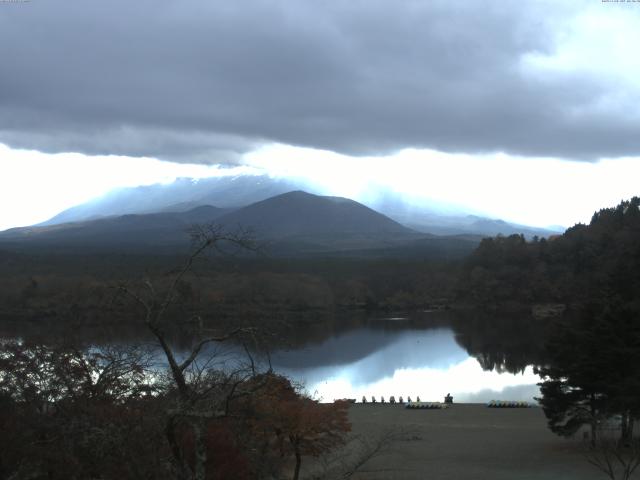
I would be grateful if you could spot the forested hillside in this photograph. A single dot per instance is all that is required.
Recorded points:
(599, 260)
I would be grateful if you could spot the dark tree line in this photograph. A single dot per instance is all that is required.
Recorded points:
(595, 261)
(591, 366)
(592, 373)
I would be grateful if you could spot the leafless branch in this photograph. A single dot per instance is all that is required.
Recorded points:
(357, 455)
(198, 348)
(615, 460)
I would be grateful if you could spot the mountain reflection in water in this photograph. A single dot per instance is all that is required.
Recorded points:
(402, 362)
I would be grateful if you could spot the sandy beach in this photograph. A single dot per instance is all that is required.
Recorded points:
(470, 441)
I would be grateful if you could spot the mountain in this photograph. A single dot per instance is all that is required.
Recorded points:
(302, 222)
(239, 191)
(300, 213)
(442, 219)
(295, 218)
(292, 224)
(155, 230)
(178, 196)
(476, 225)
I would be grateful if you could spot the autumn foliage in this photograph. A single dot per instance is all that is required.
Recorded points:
(76, 413)
(293, 425)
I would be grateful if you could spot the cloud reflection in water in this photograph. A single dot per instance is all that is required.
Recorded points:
(428, 363)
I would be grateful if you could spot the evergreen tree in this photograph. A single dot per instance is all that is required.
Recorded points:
(593, 371)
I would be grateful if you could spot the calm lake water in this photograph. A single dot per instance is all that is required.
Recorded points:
(473, 357)
(401, 361)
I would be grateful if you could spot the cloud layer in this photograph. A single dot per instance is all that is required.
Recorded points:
(203, 81)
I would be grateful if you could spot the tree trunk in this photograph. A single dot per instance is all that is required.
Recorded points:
(200, 447)
(296, 449)
(627, 429)
(182, 470)
(176, 372)
(594, 421)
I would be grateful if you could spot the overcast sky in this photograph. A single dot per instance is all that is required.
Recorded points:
(487, 93)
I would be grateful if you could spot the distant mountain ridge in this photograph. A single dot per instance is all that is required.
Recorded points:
(292, 222)
(154, 229)
(418, 215)
(178, 196)
(240, 191)
(474, 224)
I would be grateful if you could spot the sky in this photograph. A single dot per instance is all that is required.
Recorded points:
(525, 111)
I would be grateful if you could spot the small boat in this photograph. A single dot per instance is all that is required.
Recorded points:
(426, 406)
(508, 404)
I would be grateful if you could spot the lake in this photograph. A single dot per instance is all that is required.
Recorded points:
(390, 356)
(474, 357)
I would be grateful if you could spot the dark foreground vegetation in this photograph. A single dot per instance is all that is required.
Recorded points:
(72, 410)
(110, 414)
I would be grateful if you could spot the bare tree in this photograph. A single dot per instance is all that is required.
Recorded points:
(615, 459)
(359, 452)
(200, 393)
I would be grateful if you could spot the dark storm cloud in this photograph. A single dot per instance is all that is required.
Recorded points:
(206, 81)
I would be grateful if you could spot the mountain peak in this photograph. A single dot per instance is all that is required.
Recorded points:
(299, 213)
